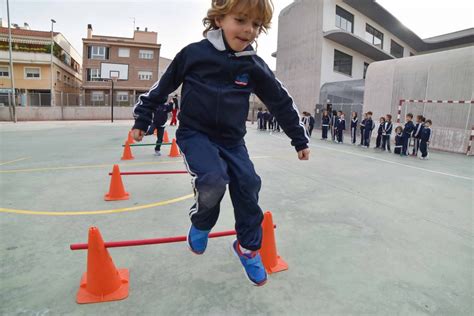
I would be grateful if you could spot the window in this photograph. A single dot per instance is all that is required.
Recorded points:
(342, 63)
(58, 76)
(145, 54)
(374, 36)
(395, 49)
(65, 78)
(97, 96)
(93, 74)
(124, 52)
(98, 52)
(366, 65)
(32, 73)
(122, 96)
(4, 72)
(145, 75)
(344, 20)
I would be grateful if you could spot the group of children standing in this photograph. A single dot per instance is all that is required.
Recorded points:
(267, 121)
(420, 133)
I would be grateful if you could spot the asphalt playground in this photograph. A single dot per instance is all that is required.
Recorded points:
(363, 232)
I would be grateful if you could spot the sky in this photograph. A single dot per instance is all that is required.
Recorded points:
(179, 22)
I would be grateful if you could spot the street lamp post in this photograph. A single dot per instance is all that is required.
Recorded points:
(52, 68)
(13, 98)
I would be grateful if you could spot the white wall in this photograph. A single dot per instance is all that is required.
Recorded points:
(447, 75)
(327, 67)
(360, 20)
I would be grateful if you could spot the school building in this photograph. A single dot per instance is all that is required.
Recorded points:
(342, 40)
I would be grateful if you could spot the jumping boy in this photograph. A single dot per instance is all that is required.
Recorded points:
(218, 74)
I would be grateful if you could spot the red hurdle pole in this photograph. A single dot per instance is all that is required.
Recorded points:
(148, 172)
(154, 241)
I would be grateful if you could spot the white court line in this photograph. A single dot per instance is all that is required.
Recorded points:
(388, 161)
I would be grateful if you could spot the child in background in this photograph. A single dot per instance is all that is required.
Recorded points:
(425, 139)
(325, 125)
(362, 130)
(378, 141)
(218, 75)
(341, 127)
(417, 134)
(266, 118)
(369, 126)
(398, 140)
(310, 123)
(174, 112)
(333, 125)
(160, 116)
(387, 132)
(354, 121)
(407, 131)
(260, 119)
(276, 127)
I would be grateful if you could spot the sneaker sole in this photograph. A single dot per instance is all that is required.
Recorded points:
(245, 272)
(189, 244)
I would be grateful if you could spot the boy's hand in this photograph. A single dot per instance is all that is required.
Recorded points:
(304, 154)
(138, 134)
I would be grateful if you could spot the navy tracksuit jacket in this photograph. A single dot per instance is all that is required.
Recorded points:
(407, 131)
(325, 127)
(425, 138)
(341, 127)
(217, 83)
(369, 126)
(354, 122)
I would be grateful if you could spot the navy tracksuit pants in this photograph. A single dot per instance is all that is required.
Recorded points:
(213, 167)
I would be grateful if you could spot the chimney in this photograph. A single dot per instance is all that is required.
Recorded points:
(26, 26)
(89, 30)
(146, 29)
(138, 28)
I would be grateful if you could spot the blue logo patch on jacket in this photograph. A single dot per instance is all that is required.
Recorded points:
(242, 80)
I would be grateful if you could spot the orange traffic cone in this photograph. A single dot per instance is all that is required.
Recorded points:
(166, 139)
(116, 189)
(102, 282)
(130, 138)
(127, 152)
(271, 260)
(174, 152)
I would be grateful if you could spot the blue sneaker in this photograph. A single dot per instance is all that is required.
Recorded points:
(197, 240)
(252, 264)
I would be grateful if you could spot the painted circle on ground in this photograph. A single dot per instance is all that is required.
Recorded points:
(98, 212)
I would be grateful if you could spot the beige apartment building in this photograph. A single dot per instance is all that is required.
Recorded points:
(135, 60)
(32, 67)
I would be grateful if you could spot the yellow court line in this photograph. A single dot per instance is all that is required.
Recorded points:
(88, 166)
(119, 210)
(102, 166)
(19, 159)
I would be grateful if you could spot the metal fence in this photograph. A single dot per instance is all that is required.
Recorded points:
(67, 99)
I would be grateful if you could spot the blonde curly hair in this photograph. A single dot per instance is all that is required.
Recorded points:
(260, 9)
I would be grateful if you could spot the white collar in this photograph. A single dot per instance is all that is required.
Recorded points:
(217, 40)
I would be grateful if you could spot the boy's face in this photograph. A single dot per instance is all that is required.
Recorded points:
(408, 119)
(240, 30)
